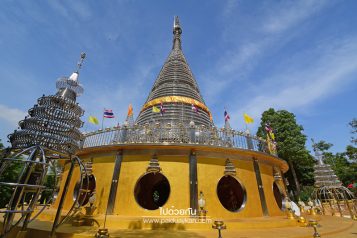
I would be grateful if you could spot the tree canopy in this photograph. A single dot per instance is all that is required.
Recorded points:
(353, 125)
(323, 145)
(351, 151)
(290, 145)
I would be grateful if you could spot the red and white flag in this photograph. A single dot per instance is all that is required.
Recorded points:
(108, 113)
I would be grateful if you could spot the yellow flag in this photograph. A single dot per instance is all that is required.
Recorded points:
(130, 110)
(248, 119)
(93, 120)
(272, 136)
(155, 109)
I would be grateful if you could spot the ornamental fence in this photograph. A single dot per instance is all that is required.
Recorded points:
(175, 135)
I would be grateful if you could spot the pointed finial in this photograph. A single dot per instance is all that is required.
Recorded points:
(80, 62)
(176, 22)
(177, 34)
(177, 28)
(318, 154)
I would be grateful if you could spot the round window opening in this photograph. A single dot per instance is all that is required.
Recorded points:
(278, 195)
(82, 194)
(152, 191)
(231, 193)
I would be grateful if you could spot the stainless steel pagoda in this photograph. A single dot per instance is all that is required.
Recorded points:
(329, 193)
(175, 92)
(174, 112)
(48, 134)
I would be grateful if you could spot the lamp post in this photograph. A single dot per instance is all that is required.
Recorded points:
(201, 204)
(219, 225)
(314, 224)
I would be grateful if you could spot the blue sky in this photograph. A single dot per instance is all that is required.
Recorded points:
(246, 56)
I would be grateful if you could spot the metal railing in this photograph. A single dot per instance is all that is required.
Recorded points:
(158, 134)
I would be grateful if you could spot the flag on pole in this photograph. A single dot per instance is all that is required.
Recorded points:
(195, 109)
(93, 120)
(226, 116)
(268, 128)
(155, 109)
(269, 131)
(162, 109)
(130, 110)
(108, 113)
(248, 119)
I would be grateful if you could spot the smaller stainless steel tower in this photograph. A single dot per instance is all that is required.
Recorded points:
(332, 196)
(49, 133)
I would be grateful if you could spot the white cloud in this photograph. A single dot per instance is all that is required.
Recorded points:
(288, 14)
(131, 89)
(272, 30)
(70, 10)
(11, 115)
(300, 85)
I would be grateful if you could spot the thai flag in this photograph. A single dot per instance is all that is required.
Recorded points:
(226, 116)
(194, 108)
(268, 128)
(108, 113)
(162, 109)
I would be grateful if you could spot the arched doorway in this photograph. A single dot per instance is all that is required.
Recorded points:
(278, 195)
(231, 193)
(152, 191)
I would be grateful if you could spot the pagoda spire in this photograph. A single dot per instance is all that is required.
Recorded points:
(323, 173)
(176, 90)
(70, 87)
(318, 153)
(177, 31)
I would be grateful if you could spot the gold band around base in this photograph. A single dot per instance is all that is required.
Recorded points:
(177, 99)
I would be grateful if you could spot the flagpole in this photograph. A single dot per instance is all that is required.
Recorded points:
(103, 119)
(192, 112)
(86, 125)
(247, 129)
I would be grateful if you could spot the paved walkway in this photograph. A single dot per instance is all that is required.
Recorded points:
(328, 227)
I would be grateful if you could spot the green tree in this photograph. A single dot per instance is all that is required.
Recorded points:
(353, 125)
(290, 146)
(10, 174)
(323, 145)
(351, 151)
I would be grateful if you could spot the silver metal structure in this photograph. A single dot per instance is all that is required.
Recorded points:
(49, 133)
(175, 79)
(329, 193)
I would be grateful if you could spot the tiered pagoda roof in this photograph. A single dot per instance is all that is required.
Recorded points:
(323, 174)
(176, 90)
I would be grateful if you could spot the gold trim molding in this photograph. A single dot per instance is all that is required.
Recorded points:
(176, 99)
